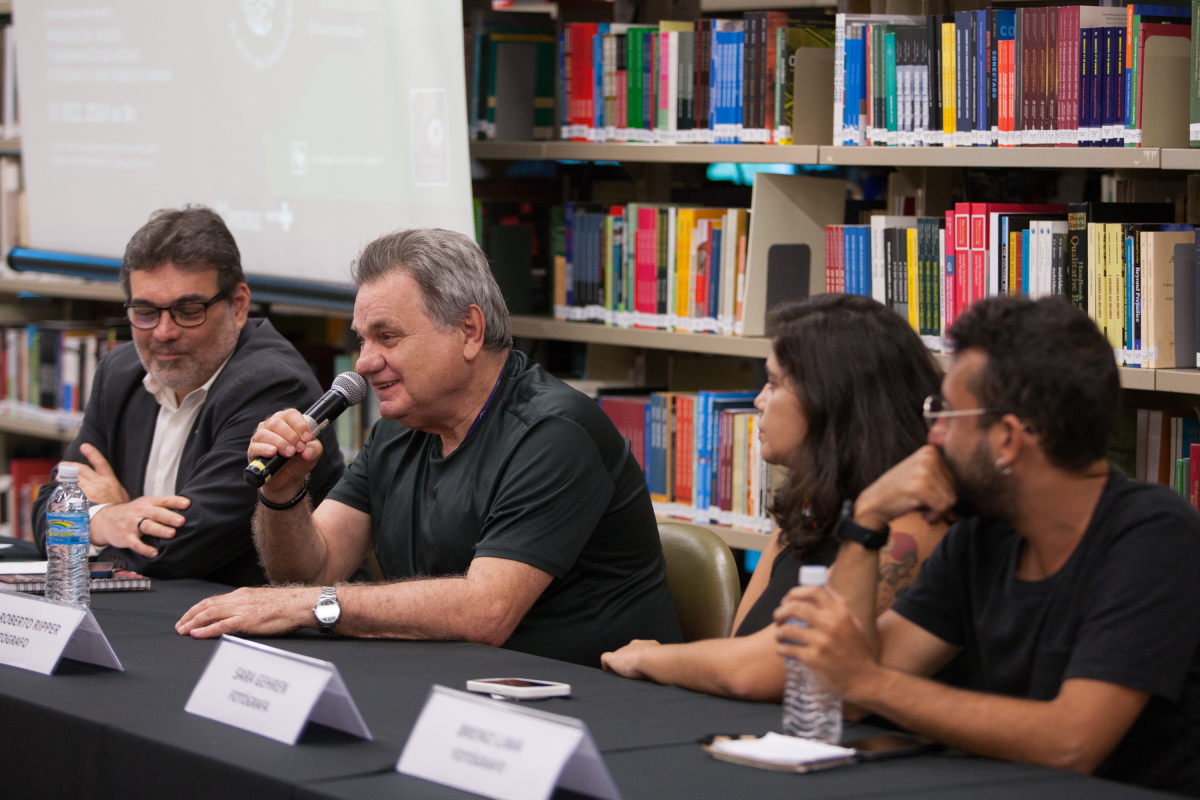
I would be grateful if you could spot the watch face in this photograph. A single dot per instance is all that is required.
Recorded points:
(327, 612)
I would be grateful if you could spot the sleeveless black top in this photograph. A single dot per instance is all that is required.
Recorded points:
(785, 574)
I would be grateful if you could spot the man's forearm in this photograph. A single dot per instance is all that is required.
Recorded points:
(855, 577)
(1014, 729)
(291, 548)
(453, 608)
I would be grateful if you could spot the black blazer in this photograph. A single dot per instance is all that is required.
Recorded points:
(265, 375)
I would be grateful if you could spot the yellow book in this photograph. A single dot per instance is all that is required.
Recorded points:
(1014, 263)
(1093, 285)
(949, 112)
(1113, 267)
(685, 222)
(914, 310)
(685, 255)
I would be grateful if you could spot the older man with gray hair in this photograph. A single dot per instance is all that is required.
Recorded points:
(509, 494)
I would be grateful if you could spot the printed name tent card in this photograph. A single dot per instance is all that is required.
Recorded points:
(36, 634)
(272, 692)
(502, 750)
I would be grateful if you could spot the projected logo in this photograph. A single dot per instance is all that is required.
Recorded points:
(430, 147)
(261, 29)
(299, 158)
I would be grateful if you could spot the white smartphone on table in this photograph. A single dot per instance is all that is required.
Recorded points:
(519, 688)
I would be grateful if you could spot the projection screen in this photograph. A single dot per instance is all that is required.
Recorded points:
(311, 126)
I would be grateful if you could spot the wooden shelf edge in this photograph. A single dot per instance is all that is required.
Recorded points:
(547, 328)
(634, 152)
(1002, 157)
(736, 538)
(1173, 158)
(67, 289)
(15, 423)
(1178, 381)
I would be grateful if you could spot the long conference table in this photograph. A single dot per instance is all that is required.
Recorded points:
(96, 733)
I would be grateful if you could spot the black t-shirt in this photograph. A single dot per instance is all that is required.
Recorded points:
(785, 575)
(544, 479)
(1124, 608)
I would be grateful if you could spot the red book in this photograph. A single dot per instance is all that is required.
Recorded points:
(582, 82)
(829, 234)
(645, 264)
(1068, 73)
(684, 447)
(725, 461)
(951, 276)
(628, 415)
(962, 256)
(28, 475)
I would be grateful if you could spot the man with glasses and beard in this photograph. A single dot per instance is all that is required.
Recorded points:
(1069, 588)
(165, 431)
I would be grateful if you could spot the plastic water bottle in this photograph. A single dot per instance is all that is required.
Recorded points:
(68, 537)
(809, 709)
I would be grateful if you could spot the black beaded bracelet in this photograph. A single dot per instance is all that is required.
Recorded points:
(285, 506)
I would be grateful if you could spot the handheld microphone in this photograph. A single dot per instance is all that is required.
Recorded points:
(348, 389)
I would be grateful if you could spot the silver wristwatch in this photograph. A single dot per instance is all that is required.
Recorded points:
(327, 611)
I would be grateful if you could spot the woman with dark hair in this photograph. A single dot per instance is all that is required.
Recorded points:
(846, 384)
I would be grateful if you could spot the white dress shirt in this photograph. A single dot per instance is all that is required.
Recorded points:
(175, 420)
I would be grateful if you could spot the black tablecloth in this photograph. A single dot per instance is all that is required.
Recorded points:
(90, 732)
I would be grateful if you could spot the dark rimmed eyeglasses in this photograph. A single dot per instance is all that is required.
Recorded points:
(935, 409)
(144, 316)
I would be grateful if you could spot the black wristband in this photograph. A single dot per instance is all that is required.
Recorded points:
(850, 531)
(290, 503)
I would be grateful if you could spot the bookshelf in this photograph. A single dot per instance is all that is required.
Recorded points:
(999, 157)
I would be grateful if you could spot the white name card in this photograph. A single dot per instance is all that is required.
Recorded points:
(36, 633)
(502, 750)
(272, 692)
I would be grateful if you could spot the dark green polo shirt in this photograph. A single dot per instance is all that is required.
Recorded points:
(544, 479)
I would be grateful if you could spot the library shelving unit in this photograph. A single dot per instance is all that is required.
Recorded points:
(1179, 386)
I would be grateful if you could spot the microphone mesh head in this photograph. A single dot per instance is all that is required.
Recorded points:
(352, 386)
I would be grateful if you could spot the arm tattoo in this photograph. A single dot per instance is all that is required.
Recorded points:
(898, 562)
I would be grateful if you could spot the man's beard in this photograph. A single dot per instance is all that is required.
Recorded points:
(198, 362)
(981, 488)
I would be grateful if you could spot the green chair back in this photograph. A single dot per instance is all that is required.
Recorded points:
(703, 580)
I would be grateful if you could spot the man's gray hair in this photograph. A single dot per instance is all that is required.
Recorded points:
(451, 270)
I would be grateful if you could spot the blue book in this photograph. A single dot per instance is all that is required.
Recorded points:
(1117, 106)
(1086, 56)
(1189, 434)
(647, 443)
(850, 237)
(598, 78)
(1130, 342)
(1025, 262)
(569, 254)
(725, 86)
(964, 28)
(981, 79)
(854, 84)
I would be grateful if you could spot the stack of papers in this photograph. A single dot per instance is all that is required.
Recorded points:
(776, 751)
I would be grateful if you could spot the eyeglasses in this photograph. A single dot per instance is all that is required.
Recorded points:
(935, 409)
(186, 315)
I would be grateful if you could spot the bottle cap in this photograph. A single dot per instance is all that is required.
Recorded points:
(813, 575)
(68, 472)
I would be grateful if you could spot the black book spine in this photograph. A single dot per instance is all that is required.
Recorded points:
(934, 38)
(993, 78)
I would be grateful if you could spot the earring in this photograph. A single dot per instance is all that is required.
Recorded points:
(1003, 468)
